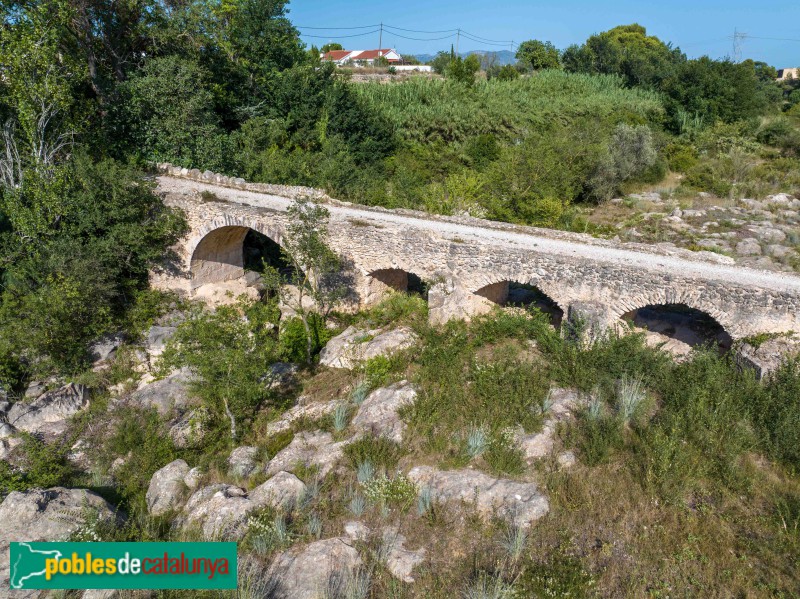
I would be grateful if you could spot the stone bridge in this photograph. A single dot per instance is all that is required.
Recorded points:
(469, 263)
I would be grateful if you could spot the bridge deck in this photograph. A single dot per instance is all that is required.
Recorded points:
(539, 240)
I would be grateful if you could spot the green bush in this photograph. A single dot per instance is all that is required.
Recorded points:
(293, 337)
(379, 451)
(140, 438)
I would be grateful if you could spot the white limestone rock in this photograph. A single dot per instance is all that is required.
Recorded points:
(167, 488)
(748, 247)
(44, 515)
(518, 502)
(312, 449)
(283, 490)
(399, 560)
(378, 414)
(171, 392)
(49, 413)
(306, 411)
(539, 445)
(355, 345)
(243, 461)
(320, 569)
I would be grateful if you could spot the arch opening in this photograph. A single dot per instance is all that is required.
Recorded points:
(679, 326)
(398, 280)
(231, 252)
(520, 295)
(261, 252)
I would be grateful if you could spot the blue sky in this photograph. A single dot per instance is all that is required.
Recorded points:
(699, 27)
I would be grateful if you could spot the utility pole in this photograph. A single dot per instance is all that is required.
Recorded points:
(738, 38)
(458, 38)
(380, 38)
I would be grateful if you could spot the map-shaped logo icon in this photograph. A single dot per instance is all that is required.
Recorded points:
(27, 563)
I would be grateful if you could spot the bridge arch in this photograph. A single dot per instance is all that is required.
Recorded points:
(217, 251)
(675, 297)
(515, 292)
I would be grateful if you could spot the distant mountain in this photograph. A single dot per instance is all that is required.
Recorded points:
(502, 57)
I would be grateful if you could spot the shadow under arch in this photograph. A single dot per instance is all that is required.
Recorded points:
(681, 322)
(514, 294)
(225, 253)
(400, 280)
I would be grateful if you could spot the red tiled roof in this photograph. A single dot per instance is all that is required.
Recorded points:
(336, 54)
(372, 54)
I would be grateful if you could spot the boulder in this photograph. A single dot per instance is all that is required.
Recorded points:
(354, 345)
(156, 340)
(320, 569)
(748, 247)
(49, 413)
(43, 515)
(517, 502)
(35, 389)
(400, 561)
(378, 414)
(768, 234)
(105, 348)
(167, 488)
(539, 445)
(283, 490)
(220, 511)
(356, 531)
(192, 478)
(767, 357)
(312, 449)
(310, 411)
(243, 461)
(171, 392)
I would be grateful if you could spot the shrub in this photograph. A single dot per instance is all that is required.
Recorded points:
(140, 438)
(378, 451)
(384, 491)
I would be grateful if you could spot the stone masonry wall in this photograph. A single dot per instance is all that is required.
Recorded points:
(212, 253)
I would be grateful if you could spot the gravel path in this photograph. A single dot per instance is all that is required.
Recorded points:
(542, 243)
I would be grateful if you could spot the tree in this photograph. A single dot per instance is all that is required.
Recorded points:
(168, 111)
(537, 55)
(441, 61)
(318, 282)
(463, 70)
(628, 51)
(330, 47)
(715, 90)
(507, 73)
(230, 350)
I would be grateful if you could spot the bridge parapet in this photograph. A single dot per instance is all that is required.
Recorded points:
(460, 257)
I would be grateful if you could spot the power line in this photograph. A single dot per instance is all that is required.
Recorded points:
(327, 37)
(338, 28)
(420, 30)
(483, 39)
(776, 39)
(421, 39)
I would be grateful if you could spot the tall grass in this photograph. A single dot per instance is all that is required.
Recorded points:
(425, 110)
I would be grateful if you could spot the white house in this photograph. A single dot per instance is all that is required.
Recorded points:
(368, 57)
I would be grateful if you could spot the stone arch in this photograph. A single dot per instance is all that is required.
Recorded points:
(381, 281)
(522, 290)
(216, 253)
(679, 315)
(675, 297)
